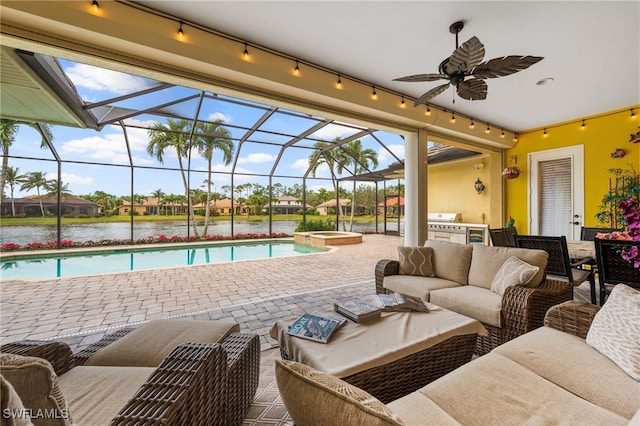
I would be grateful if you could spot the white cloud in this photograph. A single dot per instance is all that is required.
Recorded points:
(219, 116)
(301, 164)
(256, 158)
(331, 132)
(71, 179)
(105, 80)
(383, 154)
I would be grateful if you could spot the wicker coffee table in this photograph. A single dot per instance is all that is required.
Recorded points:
(391, 356)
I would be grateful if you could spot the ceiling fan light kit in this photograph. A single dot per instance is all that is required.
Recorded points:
(466, 70)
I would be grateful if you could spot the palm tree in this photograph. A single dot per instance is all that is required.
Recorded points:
(35, 180)
(12, 178)
(103, 199)
(174, 135)
(362, 160)
(335, 161)
(212, 136)
(159, 196)
(52, 186)
(8, 131)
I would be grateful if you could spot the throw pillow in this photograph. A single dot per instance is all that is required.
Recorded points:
(37, 385)
(13, 411)
(313, 398)
(416, 261)
(513, 271)
(615, 330)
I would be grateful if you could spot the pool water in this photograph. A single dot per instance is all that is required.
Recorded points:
(120, 260)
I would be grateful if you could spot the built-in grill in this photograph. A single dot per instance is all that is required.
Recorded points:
(449, 227)
(444, 227)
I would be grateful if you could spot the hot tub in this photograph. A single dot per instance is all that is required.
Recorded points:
(320, 239)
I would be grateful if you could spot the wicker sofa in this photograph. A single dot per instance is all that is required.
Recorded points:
(548, 376)
(459, 277)
(195, 384)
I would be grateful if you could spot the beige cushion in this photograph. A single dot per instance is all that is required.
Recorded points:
(513, 272)
(570, 363)
(415, 261)
(149, 345)
(487, 261)
(97, 394)
(416, 286)
(416, 409)
(615, 330)
(474, 302)
(11, 407)
(313, 398)
(450, 260)
(37, 385)
(493, 390)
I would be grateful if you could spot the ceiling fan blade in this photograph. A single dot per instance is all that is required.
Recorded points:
(466, 57)
(473, 89)
(422, 77)
(431, 94)
(499, 67)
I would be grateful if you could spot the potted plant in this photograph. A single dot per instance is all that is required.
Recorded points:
(624, 185)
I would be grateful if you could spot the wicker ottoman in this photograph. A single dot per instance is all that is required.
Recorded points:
(391, 356)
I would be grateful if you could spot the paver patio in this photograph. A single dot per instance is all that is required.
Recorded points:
(254, 293)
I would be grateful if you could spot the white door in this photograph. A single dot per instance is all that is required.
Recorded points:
(556, 192)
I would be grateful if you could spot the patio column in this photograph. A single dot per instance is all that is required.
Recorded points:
(415, 178)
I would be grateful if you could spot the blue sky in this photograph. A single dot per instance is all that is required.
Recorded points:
(108, 146)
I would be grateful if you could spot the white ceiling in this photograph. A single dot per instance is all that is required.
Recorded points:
(591, 48)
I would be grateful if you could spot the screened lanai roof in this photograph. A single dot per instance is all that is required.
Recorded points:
(269, 141)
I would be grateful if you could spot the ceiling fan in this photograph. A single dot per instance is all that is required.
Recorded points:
(465, 62)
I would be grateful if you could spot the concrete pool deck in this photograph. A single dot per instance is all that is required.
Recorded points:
(253, 293)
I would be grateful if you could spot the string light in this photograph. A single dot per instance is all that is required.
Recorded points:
(95, 6)
(515, 137)
(633, 114)
(502, 134)
(246, 51)
(428, 112)
(374, 94)
(583, 125)
(453, 117)
(402, 103)
(180, 32)
(487, 130)
(339, 82)
(545, 132)
(296, 70)
(472, 125)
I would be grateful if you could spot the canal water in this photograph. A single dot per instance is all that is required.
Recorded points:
(99, 231)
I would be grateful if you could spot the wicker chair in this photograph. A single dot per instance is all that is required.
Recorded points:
(612, 268)
(178, 392)
(503, 237)
(559, 266)
(196, 384)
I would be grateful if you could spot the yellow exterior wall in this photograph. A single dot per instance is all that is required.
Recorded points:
(451, 189)
(602, 135)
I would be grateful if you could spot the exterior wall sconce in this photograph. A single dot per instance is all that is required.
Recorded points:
(478, 185)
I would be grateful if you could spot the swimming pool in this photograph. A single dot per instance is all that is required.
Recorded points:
(137, 259)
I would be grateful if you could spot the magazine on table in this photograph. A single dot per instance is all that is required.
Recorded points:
(316, 326)
(395, 302)
(357, 310)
